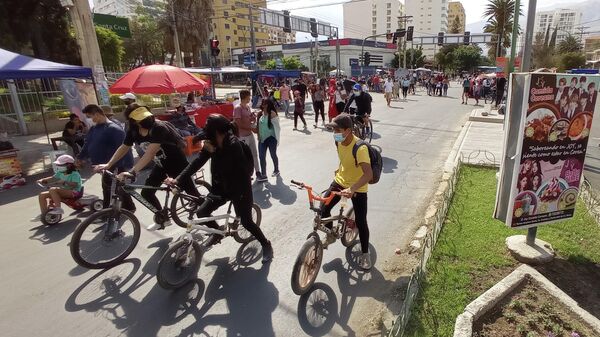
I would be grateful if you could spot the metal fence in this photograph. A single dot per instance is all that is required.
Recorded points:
(415, 284)
(35, 97)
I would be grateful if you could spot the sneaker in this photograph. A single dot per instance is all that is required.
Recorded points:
(329, 239)
(56, 210)
(365, 261)
(275, 174)
(262, 179)
(315, 125)
(157, 226)
(267, 253)
(295, 129)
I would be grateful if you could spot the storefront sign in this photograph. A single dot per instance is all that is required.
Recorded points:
(550, 126)
(114, 23)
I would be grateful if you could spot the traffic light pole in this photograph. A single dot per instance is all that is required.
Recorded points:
(362, 50)
(252, 39)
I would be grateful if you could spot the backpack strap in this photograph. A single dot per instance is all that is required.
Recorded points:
(355, 148)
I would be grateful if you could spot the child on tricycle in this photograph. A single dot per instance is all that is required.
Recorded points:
(66, 184)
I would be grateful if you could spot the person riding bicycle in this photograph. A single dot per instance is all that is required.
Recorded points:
(231, 172)
(161, 143)
(363, 104)
(351, 180)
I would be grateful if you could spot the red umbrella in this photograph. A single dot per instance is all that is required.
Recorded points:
(157, 79)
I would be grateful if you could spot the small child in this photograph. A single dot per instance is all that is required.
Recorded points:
(68, 185)
(298, 109)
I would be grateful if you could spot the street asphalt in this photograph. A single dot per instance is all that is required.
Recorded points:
(44, 293)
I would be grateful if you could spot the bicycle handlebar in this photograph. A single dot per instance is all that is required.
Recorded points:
(313, 196)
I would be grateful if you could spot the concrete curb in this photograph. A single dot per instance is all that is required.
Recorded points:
(478, 116)
(474, 310)
(454, 156)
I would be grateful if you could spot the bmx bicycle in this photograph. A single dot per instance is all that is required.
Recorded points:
(107, 237)
(93, 202)
(309, 259)
(362, 129)
(181, 262)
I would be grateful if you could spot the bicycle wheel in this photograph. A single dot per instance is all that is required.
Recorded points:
(242, 235)
(357, 130)
(350, 231)
(105, 239)
(179, 264)
(307, 265)
(182, 205)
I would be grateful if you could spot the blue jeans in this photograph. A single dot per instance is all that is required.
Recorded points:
(254, 101)
(270, 144)
(286, 105)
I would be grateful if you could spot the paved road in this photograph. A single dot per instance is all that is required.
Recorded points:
(44, 293)
(592, 160)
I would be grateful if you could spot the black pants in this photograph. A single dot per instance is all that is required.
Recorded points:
(359, 202)
(126, 200)
(319, 107)
(296, 115)
(243, 208)
(404, 91)
(156, 178)
(499, 94)
(340, 107)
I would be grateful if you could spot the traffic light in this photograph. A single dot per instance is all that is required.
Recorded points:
(440, 39)
(395, 39)
(409, 33)
(286, 22)
(367, 58)
(214, 47)
(398, 33)
(467, 38)
(313, 27)
(388, 36)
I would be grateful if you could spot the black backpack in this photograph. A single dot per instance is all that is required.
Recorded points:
(374, 156)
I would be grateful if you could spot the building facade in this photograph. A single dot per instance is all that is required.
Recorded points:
(371, 17)
(382, 54)
(566, 20)
(456, 12)
(125, 8)
(429, 17)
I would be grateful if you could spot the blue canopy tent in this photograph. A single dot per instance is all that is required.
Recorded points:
(276, 73)
(14, 66)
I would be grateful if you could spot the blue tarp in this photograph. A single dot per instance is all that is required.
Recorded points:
(15, 66)
(277, 73)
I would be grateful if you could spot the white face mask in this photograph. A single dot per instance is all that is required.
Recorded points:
(61, 168)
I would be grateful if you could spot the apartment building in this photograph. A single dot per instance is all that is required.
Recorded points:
(456, 11)
(429, 18)
(566, 20)
(372, 17)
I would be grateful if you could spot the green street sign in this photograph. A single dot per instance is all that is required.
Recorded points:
(116, 24)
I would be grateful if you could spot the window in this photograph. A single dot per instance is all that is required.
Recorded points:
(226, 26)
(233, 20)
(374, 32)
(234, 32)
(235, 44)
(374, 19)
(389, 25)
(389, 5)
(374, 13)
(389, 18)
(224, 2)
(225, 13)
(374, 26)
(389, 12)
(227, 37)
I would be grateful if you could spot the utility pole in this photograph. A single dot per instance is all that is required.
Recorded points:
(337, 51)
(252, 37)
(581, 32)
(312, 62)
(175, 37)
(317, 56)
(515, 32)
(527, 47)
(404, 19)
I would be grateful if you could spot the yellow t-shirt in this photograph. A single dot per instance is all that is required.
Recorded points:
(348, 173)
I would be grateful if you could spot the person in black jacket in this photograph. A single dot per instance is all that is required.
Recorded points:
(231, 178)
(363, 104)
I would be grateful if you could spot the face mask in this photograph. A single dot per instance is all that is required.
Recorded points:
(339, 137)
(356, 92)
(61, 168)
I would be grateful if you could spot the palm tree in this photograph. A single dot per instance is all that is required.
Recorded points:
(193, 21)
(569, 44)
(499, 15)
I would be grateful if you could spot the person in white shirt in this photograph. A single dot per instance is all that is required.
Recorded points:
(388, 88)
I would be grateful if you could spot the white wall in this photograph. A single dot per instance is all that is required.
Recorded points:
(429, 18)
(358, 18)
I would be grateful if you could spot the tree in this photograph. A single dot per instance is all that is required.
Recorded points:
(499, 15)
(547, 36)
(552, 42)
(38, 28)
(569, 44)
(414, 58)
(571, 60)
(111, 47)
(291, 63)
(542, 54)
(467, 57)
(456, 26)
(445, 57)
(192, 19)
(146, 45)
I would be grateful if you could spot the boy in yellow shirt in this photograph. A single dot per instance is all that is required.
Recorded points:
(351, 180)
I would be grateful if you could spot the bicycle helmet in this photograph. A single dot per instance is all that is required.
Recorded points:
(357, 87)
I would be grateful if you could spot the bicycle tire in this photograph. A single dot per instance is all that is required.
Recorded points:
(176, 211)
(299, 286)
(350, 233)
(162, 275)
(369, 134)
(76, 239)
(241, 234)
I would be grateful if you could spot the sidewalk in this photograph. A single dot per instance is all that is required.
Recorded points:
(31, 151)
(482, 138)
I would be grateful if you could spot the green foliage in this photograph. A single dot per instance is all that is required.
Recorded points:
(270, 64)
(467, 57)
(571, 60)
(445, 57)
(414, 58)
(146, 45)
(570, 44)
(111, 47)
(291, 63)
(499, 15)
(542, 54)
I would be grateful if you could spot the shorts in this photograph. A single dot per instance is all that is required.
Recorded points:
(77, 194)
(466, 90)
(388, 95)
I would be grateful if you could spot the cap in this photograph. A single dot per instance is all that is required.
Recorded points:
(64, 160)
(342, 121)
(128, 96)
(357, 87)
(140, 113)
